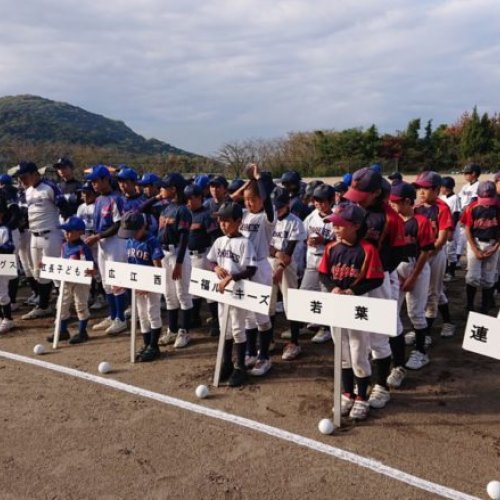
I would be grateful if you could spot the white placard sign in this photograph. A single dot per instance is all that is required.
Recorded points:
(482, 335)
(71, 270)
(366, 314)
(8, 264)
(136, 277)
(244, 294)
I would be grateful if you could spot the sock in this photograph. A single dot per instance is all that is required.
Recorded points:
(100, 289)
(146, 338)
(241, 350)
(420, 339)
(93, 288)
(251, 341)
(348, 381)
(44, 293)
(430, 321)
(214, 311)
(444, 309)
(1, 313)
(498, 286)
(112, 305)
(196, 309)
(382, 370)
(398, 350)
(173, 320)
(486, 300)
(13, 286)
(273, 322)
(64, 326)
(362, 383)
(155, 336)
(295, 330)
(82, 326)
(470, 291)
(120, 301)
(7, 311)
(265, 339)
(453, 268)
(227, 358)
(185, 319)
(32, 282)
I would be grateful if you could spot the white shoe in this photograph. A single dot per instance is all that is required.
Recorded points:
(182, 339)
(359, 410)
(98, 303)
(250, 361)
(38, 312)
(379, 397)
(32, 300)
(447, 278)
(323, 335)
(346, 404)
(410, 338)
(6, 325)
(448, 330)
(103, 325)
(261, 367)
(395, 379)
(286, 335)
(167, 338)
(128, 313)
(417, 360)
(116, 327)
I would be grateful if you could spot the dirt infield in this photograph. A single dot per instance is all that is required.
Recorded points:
(67, 438)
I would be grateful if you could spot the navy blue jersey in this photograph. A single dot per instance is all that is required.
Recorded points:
(76, 251)
(108, 210)
(483, 220)
(299, 208)
(175, 219)
(134, 203)
(143, 252)
(69, 190)
(202, 230)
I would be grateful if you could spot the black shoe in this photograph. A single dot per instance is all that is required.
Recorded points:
(214, 331)
(140, 352)
(226, 371)
(237, 378)
(62, 336)
(79, 338)
(149, 354)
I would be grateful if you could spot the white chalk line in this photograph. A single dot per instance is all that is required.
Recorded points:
(276, 432)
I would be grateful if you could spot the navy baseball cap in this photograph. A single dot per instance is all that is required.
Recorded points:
(98, 172)
(230, 210)
(131, 222)
(174, 180)
(364, 182)
(427, 179)
(323, 192)
(401, 191)
(472, 168)
(218, 180)
(487, 193)
(193, 190)
(291, 177)
(346, 214)
(127, 174)
(448, 182)
(148, 179)
(27, 167)
(5, 179)
(87, 187)
(74, 223)
(202, 180)
(234, 185)
(311, 186)
(340, 187)
(280, 197)
(63, 162)
(395, 176)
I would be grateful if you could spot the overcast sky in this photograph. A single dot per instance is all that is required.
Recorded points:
(199, 73)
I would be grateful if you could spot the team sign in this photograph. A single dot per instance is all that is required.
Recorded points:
(366, 314)
(136, 277)
(482, 335)
(8, 265)
(244, 294)
(72, 270)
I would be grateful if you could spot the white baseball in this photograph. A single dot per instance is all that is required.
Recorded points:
(104, 367)
(493, 489)
(39, 349)
(201, 391)
(325, 426)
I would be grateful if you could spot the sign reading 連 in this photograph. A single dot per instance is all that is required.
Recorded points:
(244, 294)
(8, 264)
(482, 335)
(136, 277)
(72, 270)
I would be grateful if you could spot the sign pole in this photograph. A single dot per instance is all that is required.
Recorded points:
(57, 327)
(133, 327)
(222, 339)
(337, 380)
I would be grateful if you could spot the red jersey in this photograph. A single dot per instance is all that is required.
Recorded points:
(439, 214)
(483, 220)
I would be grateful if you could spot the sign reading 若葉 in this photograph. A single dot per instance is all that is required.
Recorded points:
(136, 277)
(71, 270)
(366, 314)
(244, 294)
(482, 335)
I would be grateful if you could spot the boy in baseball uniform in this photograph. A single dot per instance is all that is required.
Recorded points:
(453, 201)
(6, 247)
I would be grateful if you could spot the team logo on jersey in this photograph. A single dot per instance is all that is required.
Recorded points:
(343, 271)
(250, 227)
(228, 254)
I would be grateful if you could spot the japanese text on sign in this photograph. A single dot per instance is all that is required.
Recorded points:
(8, 265)
(71, 270)
(482, 335)
(133, 276)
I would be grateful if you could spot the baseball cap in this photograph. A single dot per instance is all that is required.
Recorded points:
(131, 222)
(487, 193)
(280, 197)
(395, 176)
(74, 223)
(448, 182)
(230, 210)
(174, 179)
(234, 185)
(98, 172)
(340, 187)
(63, 162)
(472, 168)
(291, 177)
(27, 167)
(127, 174)
(323, 192)
(346, 214)
(347, 179)
(377, 167)
(401, 191)
(364, 182)
(311, 186)
(427, 179)
(218, 180)
(5, 179)
(202, 180)
(148, 179)
(87, 187)
(193, 190)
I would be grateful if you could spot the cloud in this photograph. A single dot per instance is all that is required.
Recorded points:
(197, 74)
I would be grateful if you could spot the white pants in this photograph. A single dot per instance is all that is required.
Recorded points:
(25, 253)
(200, 261)
(47, 245)
(289, 280)
(77, 293)
(110, 249)
(415, 299)
(310, 280)
(177, 292)
(263, 275)
(380, 347)
(481, 273)
(355, 352)
(148, 311)
(436, 296)
(235, 323)
(461, 239)
(4, 290)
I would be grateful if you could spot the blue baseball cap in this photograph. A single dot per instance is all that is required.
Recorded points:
(98, 172)
(127, 174)
(202, 180)
(5, 179)
(148, 179)
(74, 223)
(193, 190)
(347, 179)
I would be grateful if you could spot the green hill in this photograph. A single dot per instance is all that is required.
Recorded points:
(38, 120)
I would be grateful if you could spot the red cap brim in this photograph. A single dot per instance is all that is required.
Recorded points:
(489, 202)
(355, 195)
(337, 220)
(394, 197)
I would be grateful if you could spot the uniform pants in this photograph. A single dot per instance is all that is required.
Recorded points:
(4, 290)
(148, 310)
(263, 275)
(110, 249)
(355, 352)
(25, 253)
(461, 239)
(79, 294)
(47, 245)
(310, 280)
(380, 347)
(436, 296)
(481, 273)
(290, 280)
(177, 293)
(200, 261)
(235, 324)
